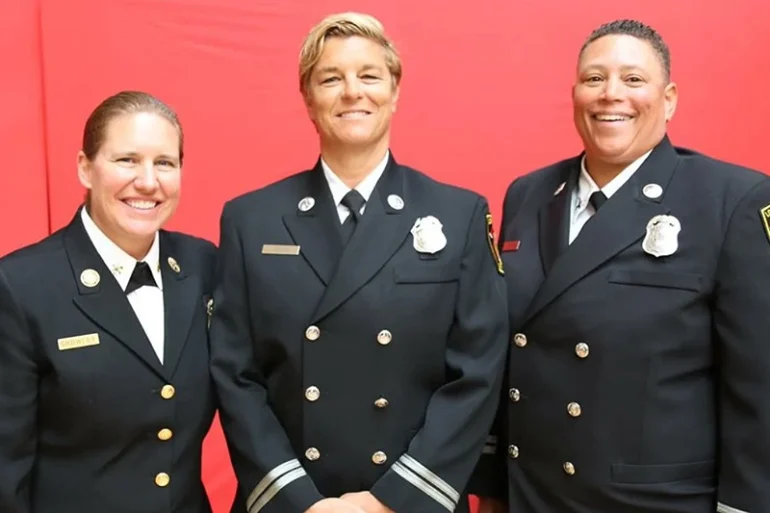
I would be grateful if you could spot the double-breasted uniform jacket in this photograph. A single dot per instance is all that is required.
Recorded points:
(90, 420)
(374, 367)
(640, 365)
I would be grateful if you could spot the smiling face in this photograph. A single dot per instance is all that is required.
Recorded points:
(622, 99)
(134, 179)
(351, 94)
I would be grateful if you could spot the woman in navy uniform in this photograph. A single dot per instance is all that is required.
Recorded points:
(360, 333)
(105, 394)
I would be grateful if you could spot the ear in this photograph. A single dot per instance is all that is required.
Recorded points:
(396, 92)
(671, 96)
(84, 170)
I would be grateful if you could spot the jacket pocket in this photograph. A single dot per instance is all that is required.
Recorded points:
(664, 279)
(415, 273)
(651, 474)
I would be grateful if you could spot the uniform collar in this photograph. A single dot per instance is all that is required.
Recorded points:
(120, 263)
(587, 185)
(366, 187)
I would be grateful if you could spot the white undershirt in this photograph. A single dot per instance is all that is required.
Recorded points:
(366, 187)
(581, 210)
(147, 302)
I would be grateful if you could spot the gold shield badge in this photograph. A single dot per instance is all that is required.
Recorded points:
(765, 214)
(493, 246)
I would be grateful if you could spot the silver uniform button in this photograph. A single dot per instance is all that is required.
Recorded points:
(312, 454)
(312, 394)
(384, 337)
(520, 339)
(312, 333)
(381, 403)
(574, 409)
(582, 350)
(513, 451)
(379, 458)
(569, 468)
(514, 394)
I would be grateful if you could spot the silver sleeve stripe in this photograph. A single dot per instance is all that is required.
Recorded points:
(441, 485)
(489, 449)
(424, 487)
(724, 508)
(269, 479)
(279, 484)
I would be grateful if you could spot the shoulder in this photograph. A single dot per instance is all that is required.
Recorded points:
(432, 190)
(191, 248)
(725, 178)
(36, 257)
(273, 197)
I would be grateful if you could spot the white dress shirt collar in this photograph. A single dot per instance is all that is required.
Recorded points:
(587, 185)
(120, 263)
(365, 187)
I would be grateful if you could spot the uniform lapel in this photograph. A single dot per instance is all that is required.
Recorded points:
(180, 301)
(621, 222)
(381, 232)
(554, 219)
(316, 230)
(106, 303)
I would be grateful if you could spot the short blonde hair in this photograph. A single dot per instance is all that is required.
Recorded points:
(346, 24)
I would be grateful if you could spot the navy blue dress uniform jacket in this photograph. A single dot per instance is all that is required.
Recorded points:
(96, 428)
(370, 368)
(638, 383)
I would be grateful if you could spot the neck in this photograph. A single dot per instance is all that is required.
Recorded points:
(603, 172)
(135, 246)
(352, 165)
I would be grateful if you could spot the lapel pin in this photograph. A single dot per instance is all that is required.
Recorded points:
(306, 204)
(662, 236)
(395, 202)
(174, 266)
(117, 269)
(89, 278)
(652, 190)
(559, 188)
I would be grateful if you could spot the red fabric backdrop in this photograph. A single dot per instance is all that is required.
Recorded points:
(485, 96)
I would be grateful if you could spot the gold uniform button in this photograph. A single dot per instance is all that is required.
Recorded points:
(520, 339)
(165, 434)
(582, 350)
(384, 337)
(162, 479)
(574, 409)
(312, 454)
(312, 394)
(379, 458)
(312, 333)
(569, 468)
(381, 403)
(514, 394)
(513, 451)
(167, 392)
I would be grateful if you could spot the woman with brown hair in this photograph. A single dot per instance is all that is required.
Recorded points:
(105, 394)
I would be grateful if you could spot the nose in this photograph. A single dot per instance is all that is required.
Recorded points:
(147, 177)
(352, 88)
(613, 90)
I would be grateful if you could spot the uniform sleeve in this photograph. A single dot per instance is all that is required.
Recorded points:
(490, 478)
(270, 476)
(18, 405)
(434, 472)
(742, 324)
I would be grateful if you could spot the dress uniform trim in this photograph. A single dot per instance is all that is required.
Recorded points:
(428, 482)
(434, 494)
(272, 483)
(724, 508)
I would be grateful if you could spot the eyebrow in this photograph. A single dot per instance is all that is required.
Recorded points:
(335, 69)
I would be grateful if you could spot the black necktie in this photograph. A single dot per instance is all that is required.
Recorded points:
(141, 276)
(354, 201)
(597, 199)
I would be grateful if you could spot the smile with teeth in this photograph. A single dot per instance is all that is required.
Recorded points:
(611, 117)
(141, 204)
(353, 114)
